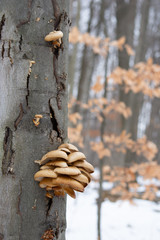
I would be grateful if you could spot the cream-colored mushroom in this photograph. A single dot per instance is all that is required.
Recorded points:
(67, 181)
(70, 191)
(81, 178)
(57, 163)
(38, 176)
(54, 36)
(57, 188)
(49, 189)
(70, 146)
(66, 150)
(85, 173)
(63, 171)
(46, 182)
(67, 171)
(53, 155)
(47, 167)
(75, 156)
(59, 193)
(38, 116)
(49, 195)
(36, 119)
(84, 164)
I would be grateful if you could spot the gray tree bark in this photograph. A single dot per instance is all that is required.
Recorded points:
(25, 90)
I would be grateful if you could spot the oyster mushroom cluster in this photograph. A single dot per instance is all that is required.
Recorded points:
(64, 170)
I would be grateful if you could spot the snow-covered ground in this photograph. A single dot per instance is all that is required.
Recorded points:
(120, 220)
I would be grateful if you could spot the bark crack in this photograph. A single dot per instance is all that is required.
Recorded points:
(49, 205)
(54, 121)
(20, 116)
(28, 81)
(57, 14)
(27, 87)
(3, 49)
(9, 52)
(8, 157)
(20, 43)
(28, 15)
(60, 84)
(19, 199)
(2, 22)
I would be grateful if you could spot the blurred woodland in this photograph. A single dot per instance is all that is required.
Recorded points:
(114, 91)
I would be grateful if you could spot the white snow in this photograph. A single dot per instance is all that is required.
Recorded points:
(120, 220)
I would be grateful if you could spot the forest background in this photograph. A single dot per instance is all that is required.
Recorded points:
(114, 93)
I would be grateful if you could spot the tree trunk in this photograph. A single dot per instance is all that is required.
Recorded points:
(89, 58)
(73, 57)
(126, 14)
(29, 88)
(135, 102)
(101, 162)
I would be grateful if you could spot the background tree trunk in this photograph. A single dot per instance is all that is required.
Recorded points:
(126, 14)
(25, 212)
(73, 57)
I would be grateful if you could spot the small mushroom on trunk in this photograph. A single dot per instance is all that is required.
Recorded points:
(36, 119)
(55, 37)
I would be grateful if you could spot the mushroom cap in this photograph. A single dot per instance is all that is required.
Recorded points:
(49, 189)
(85, 173)
(53, 155)
(64, 181)
(57, 163)
(38, 116)
(70, 191)
(49, 195)
(84, 164)
(75, 156)
(70, 146)
(38, 176)
(53, 36)
(46, 182)
(59, 193)
(61, 181)
(81, 178)
(57, 188)
(47, 167)
(65, 150)
(67, 171)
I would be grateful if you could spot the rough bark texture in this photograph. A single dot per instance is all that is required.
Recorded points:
(25, 212)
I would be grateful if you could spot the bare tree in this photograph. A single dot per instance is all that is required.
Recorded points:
(126, 16)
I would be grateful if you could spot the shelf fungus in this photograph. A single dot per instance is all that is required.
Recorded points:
(55, 38)
(64, 170)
